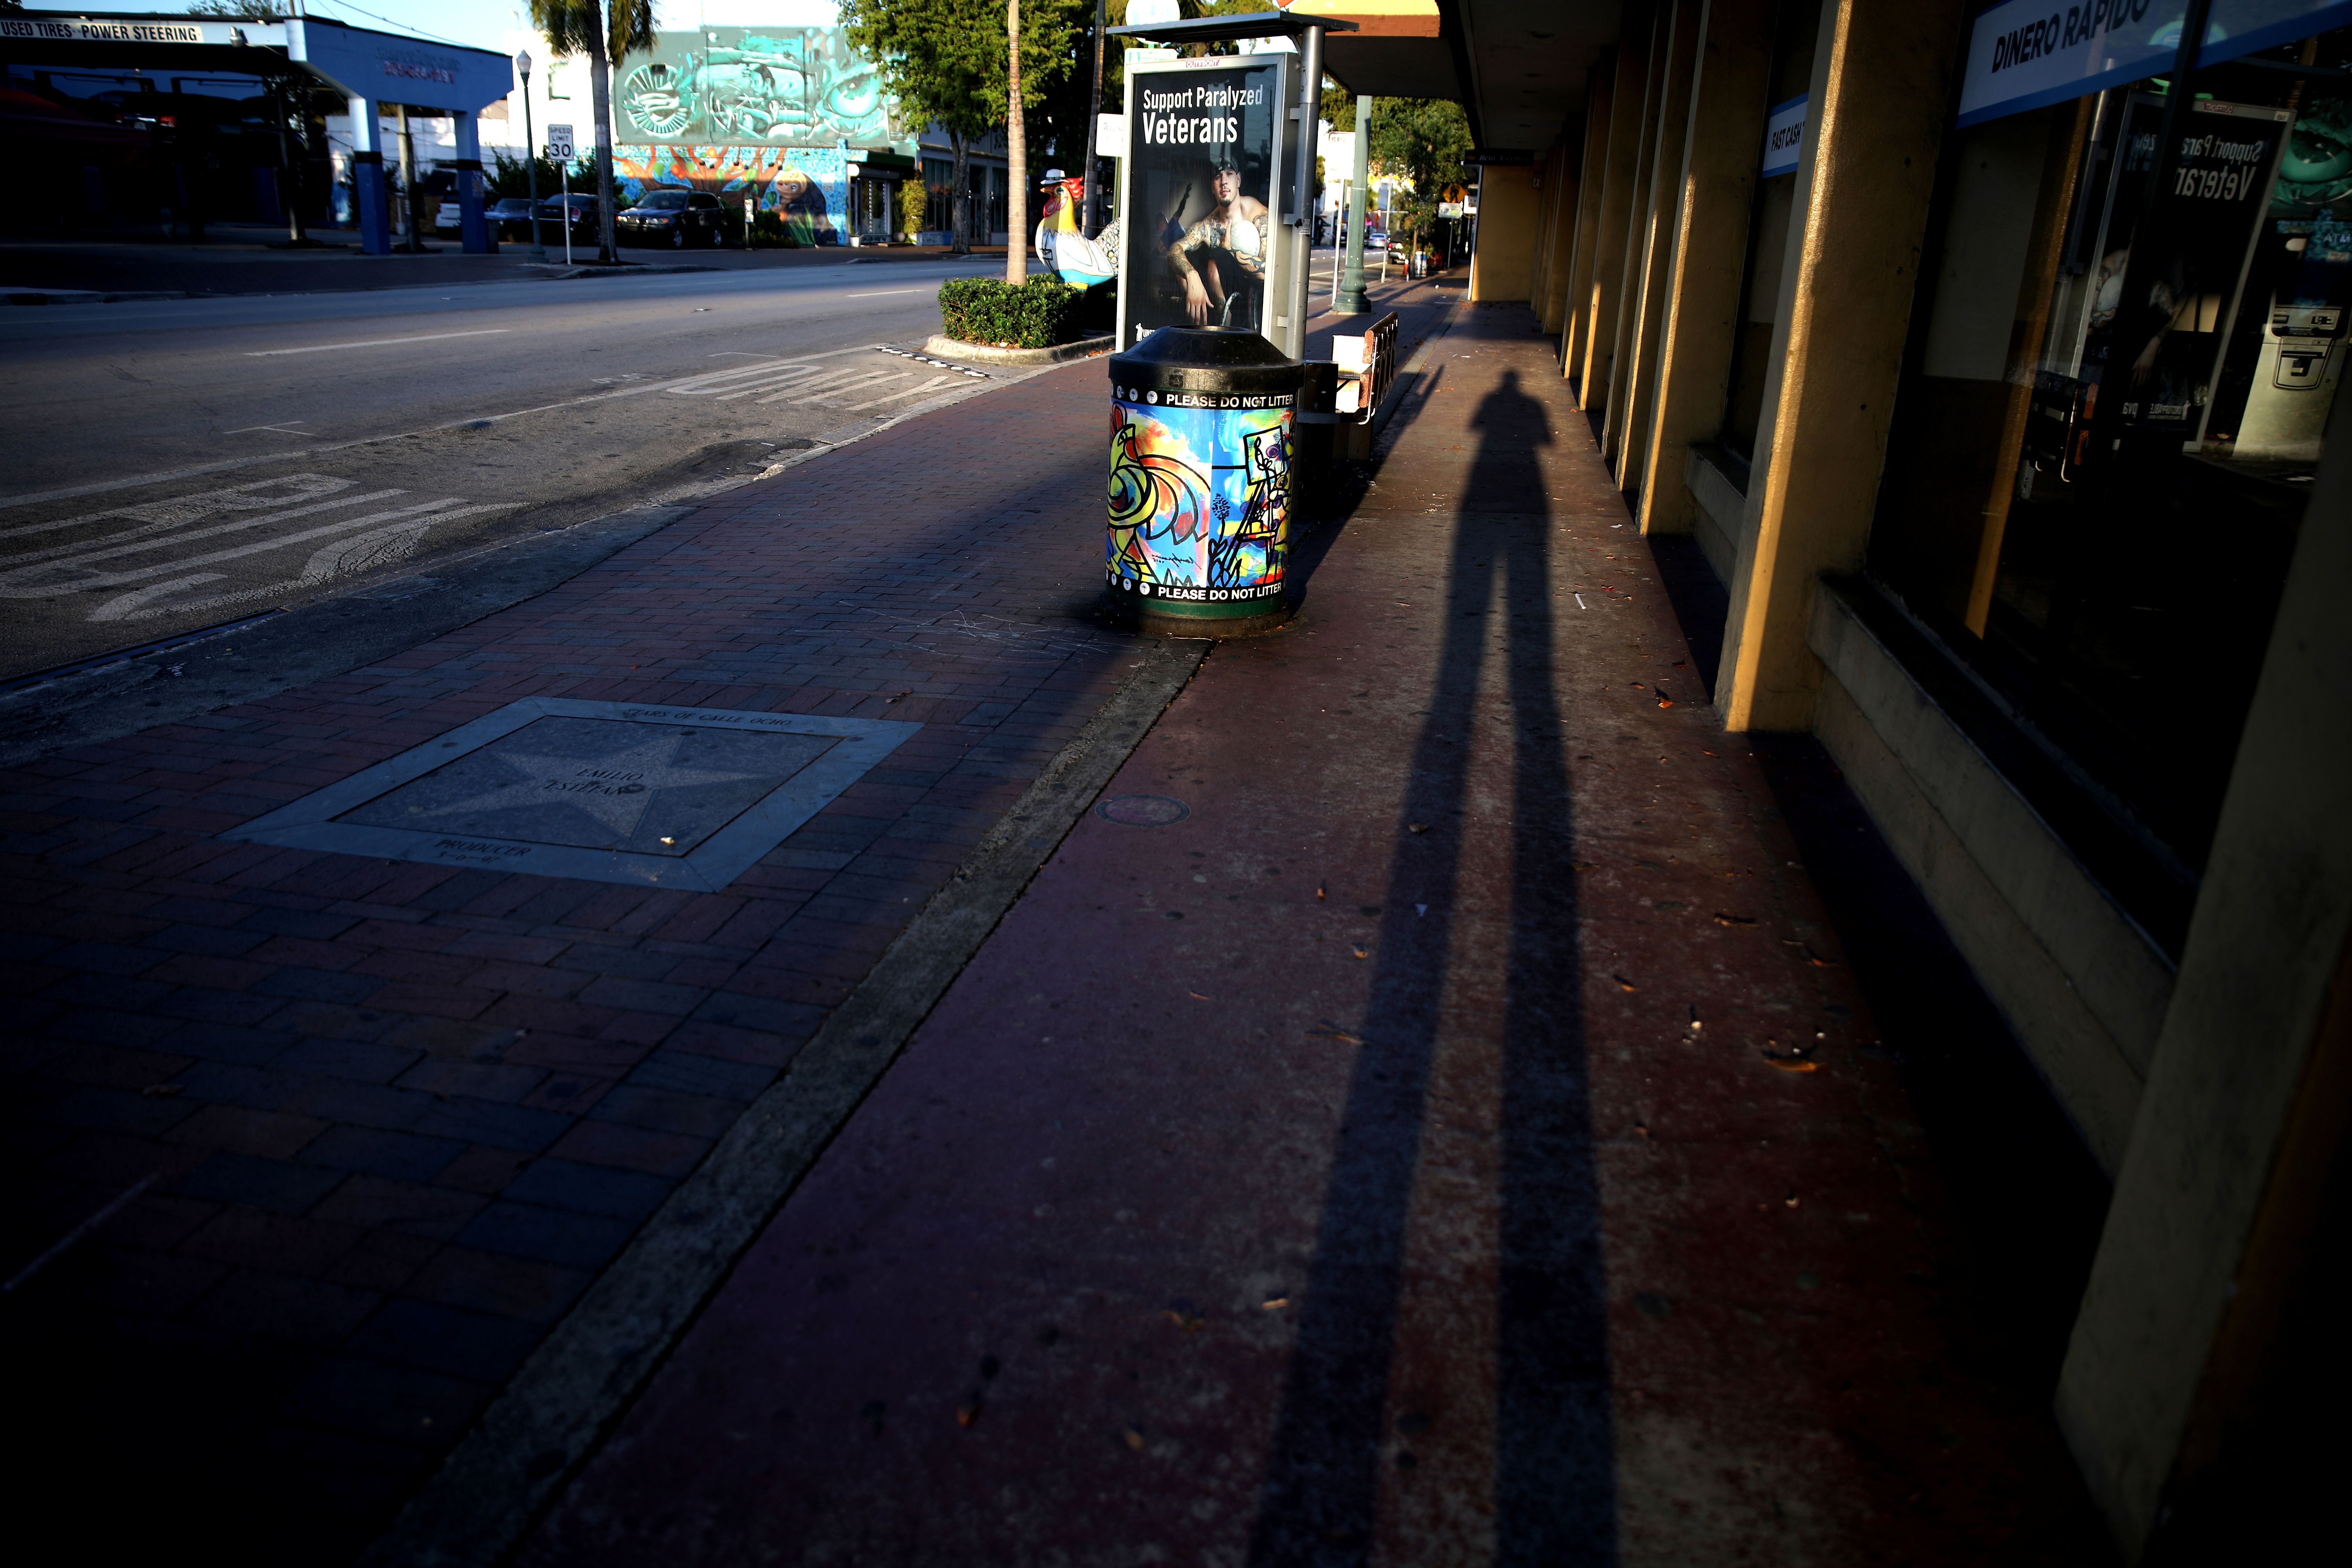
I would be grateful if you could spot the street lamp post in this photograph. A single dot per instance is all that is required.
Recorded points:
(1348, 300)
(530, 155)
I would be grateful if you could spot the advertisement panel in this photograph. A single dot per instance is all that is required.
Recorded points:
(1204, 152)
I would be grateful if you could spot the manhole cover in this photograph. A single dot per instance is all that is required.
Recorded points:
(1143, 810)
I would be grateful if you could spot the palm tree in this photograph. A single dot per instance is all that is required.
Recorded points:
(583, 27)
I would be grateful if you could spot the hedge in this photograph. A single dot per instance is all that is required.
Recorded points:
(1038, 314)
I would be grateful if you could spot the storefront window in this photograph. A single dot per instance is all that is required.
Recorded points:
(1767, 239)
(938, 184)
(2120, 363)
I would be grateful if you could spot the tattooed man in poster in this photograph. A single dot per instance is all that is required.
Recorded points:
(1221, 258)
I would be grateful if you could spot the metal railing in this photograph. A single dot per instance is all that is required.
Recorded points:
(1367, 367)
(1379, 366)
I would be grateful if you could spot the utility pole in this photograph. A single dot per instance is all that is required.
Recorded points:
(1350, 299)
(1016, 154)
(1093, 220)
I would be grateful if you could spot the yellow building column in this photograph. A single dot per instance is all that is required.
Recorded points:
(1617, 169)
(1655, 228)
(1637, 219)
(2195, 1367)
(1880, 99)
(1560, 168)
(1721, 154)
(1503, 256)
(1575, 326)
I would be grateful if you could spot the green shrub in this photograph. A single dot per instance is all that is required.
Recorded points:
(770, 232)
(1038, 314)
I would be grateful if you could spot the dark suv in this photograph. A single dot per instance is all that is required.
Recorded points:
(675, 218)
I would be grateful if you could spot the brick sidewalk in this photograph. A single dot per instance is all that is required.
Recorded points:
(385, 1121)
(1388, 1163)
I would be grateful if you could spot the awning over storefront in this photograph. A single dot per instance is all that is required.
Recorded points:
(352, 61)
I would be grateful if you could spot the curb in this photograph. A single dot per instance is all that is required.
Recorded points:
(625, 270)
(88, 295)
(981, 353)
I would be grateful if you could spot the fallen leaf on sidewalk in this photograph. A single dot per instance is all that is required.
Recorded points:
(1817, 962)
(1318, 892)
(1584, 865)
(1335, 1035)
(1736, 922)
(1416, 827)
(1623, 984)
(967, 1414)
(1196, 995)
(1133, 1440)
(1185, 1321)
(1642, 1128)
(1361, 954)
(1277, 1304)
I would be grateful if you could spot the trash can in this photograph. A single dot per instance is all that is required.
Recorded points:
(1204, 422)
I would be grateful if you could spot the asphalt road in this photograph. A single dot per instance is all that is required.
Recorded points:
(173, 465)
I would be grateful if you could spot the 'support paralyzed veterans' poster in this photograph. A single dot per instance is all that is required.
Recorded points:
(1200, 210)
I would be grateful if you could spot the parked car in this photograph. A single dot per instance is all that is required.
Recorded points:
(509, 218)
(583, 216)
(672, 217)
(448, 218)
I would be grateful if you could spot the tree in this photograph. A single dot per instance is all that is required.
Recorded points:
(946, 62)
(588, 28)
(1422, 139)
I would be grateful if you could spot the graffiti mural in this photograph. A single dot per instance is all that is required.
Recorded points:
(807, 187)
(1200, 501)
(736, 86)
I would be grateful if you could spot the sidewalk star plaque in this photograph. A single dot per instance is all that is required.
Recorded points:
(608, 792)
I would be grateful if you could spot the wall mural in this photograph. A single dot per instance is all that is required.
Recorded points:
(1200, 501)
(808, 187)
(736, 86)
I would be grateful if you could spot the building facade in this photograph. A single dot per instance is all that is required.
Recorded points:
(788, 118)
(1989, 359)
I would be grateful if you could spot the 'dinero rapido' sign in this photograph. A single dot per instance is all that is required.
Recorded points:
(2029, 53)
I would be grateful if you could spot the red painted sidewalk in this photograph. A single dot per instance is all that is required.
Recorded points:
(1464, 1137)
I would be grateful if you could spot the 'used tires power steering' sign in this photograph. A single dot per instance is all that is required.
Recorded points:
(2027, 54)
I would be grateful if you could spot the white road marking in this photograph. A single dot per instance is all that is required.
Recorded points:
(286, 427)
(878, 293)
(384, 546)
(834, 387)
(112, 579)
(743, 378)
(891, 397)
(168, 515)
(376, 343)
(59, 576)
(133, 481)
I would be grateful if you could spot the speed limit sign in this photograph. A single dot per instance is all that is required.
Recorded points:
(559, 144)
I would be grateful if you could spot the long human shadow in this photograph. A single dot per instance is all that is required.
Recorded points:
(1554, 1492)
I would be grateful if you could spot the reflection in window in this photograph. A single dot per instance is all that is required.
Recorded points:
(2122, 357)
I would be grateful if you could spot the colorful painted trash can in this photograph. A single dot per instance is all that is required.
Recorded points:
(1204, 429)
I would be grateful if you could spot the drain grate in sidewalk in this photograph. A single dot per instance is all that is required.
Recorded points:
(607, 792)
